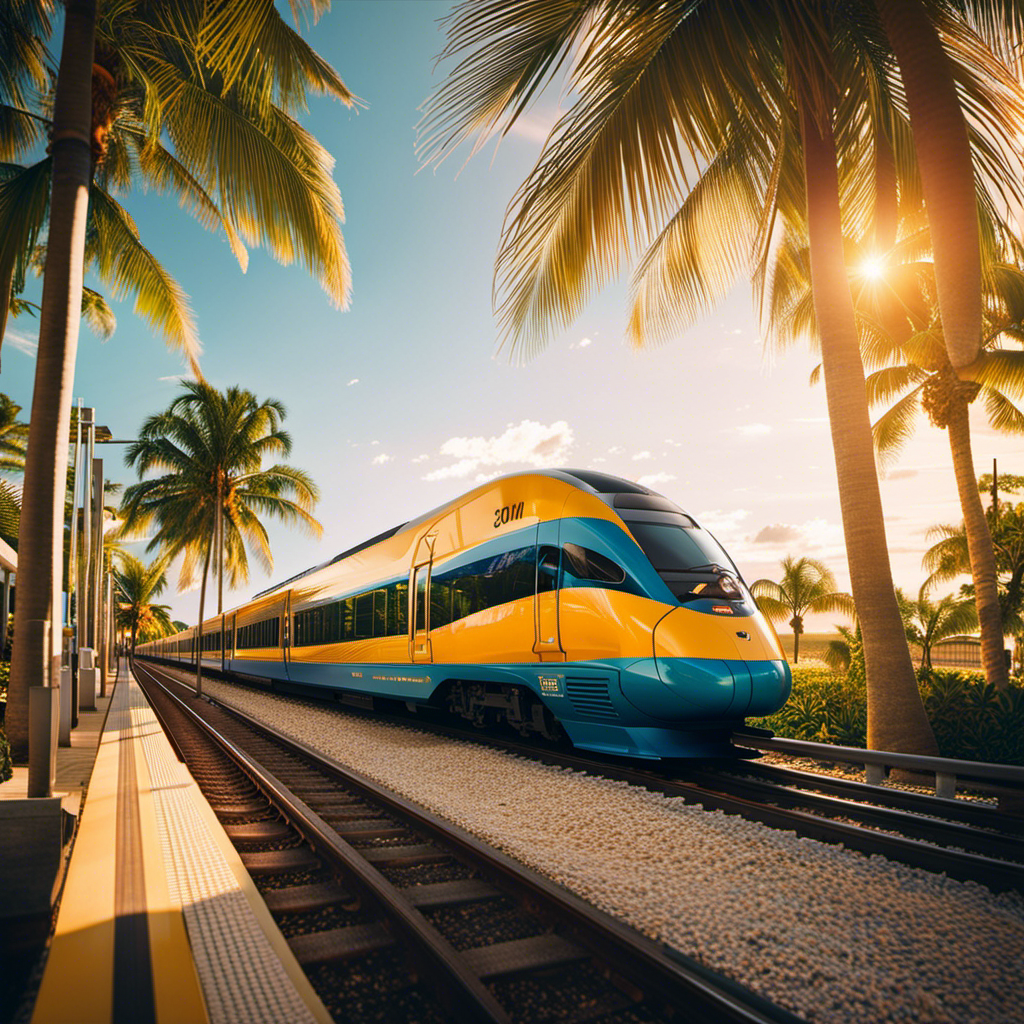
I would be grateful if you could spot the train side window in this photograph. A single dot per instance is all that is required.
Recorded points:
(440, 603)
(380, 619)
(364, 616)
(348, 619)
(402, 608)
(585, 564)
(421, 598)
(547, 569)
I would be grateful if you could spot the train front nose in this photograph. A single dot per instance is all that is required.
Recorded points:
(710, 666)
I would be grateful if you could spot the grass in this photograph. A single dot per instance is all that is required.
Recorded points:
(812, 645)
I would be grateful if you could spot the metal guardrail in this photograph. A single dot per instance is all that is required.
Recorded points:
(947, 770)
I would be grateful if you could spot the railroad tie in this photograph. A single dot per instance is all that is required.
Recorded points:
(523, 955)
(340, 943)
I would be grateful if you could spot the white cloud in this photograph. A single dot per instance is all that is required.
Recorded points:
(22, 343)
(616, 450)
(722, 524)
(530, 442)
(535, 126)
(420, 458)
(597, 459)
(382, 459)
(584, 342)
(642, 456)
(653, 479)
(354, 380)
(754, 430)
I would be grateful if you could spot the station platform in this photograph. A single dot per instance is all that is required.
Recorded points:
(159, 921)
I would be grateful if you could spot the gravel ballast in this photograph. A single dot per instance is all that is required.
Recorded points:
(829, 933)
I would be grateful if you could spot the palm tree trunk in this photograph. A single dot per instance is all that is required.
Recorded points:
(796, 647)
(947, 174)
(199, 631)
(979, 546)
(896, 716)
(41, 533)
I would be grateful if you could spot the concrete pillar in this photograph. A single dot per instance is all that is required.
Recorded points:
(64, 729)
(87, 679)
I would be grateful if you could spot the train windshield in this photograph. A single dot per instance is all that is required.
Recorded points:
(673, 548)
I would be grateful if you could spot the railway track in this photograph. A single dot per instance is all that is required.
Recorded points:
(398, 915)
(964, 839)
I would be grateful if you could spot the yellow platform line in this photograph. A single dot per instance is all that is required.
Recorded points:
(78, 983)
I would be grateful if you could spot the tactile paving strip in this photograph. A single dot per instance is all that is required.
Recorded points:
(242, 978)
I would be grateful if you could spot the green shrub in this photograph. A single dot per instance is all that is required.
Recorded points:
(971, 719)
(825, 707)
(6, 768)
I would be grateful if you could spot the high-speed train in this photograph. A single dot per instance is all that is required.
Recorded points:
(547, 601)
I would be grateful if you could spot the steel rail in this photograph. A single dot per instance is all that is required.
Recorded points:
(463, 991)
(666, 973)
(929, 829)
(968, 812)
(995, 873)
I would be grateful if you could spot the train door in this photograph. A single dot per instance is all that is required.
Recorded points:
(286, 630)
(419, 601)
(547, 639)
(419, 618)
(223, 643)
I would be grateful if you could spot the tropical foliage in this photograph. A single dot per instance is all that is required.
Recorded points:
(211, 493)
(948, 558)
(697, 131)
(191, 98)
(929, 622)
(824, 707)
(972, 720)
(807, 585)
(13, 437)
(181, 108)
(136, 585)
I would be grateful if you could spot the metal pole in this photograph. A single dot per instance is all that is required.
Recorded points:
(89, 423)
(96, 579)
(111, 638)
(75, 491)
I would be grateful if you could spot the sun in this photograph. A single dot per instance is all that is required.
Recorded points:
(873, 268)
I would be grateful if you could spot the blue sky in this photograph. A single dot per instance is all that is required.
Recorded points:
(403, 402)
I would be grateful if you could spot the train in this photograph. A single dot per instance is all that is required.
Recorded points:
(560, 603)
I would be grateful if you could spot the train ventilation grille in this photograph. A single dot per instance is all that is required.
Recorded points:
(589, 696)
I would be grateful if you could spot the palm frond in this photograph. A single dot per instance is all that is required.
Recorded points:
(128, 268)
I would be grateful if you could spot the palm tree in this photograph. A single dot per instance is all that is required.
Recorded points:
(901, 333)
(220, 82)
(209, 447)
(949, 557)
(10, 513)
(758, 103)
(807, 585)
(928, 621)
(13, 437)
(925, 378)
(137, 585)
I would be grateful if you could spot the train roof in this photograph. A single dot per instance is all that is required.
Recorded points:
(614, 490)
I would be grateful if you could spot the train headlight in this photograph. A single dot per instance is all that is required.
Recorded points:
(725, 587)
